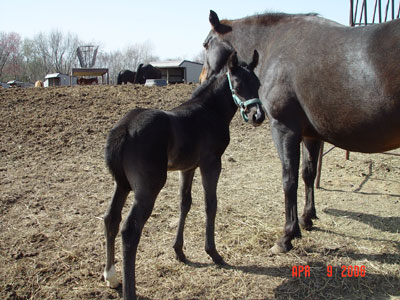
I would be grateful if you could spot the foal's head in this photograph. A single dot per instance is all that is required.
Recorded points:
(244, 85)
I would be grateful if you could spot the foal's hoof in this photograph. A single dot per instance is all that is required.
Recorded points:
(180, 256)
(111, 278)
(306, 223)
(217, 259)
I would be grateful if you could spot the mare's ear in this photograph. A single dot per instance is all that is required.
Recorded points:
(216, 25)
(233, 62)
(254, 62)
(214, 20)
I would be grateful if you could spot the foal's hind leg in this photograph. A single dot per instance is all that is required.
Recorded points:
(186, 179)
(210, 172)
(309, 170)
(147, 186)
(112, 218)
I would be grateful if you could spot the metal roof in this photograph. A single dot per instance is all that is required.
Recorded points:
(172, 63)
(53, 75)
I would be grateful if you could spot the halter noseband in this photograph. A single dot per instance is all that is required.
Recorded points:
(242, 104)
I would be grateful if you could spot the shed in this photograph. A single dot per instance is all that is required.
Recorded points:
(59, 79)
(179, 71)
(17, 83)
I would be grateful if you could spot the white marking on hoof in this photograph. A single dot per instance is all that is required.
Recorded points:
(110, 277)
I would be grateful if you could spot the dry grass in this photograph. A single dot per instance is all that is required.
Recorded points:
(55, 189)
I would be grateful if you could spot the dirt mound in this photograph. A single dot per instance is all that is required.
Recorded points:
(55, 189)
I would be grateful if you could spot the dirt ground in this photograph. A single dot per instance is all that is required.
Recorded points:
(55, 189)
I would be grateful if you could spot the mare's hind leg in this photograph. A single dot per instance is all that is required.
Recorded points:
(112, 218)
(210, 172)
(309, 171)
(186, 179)
(287, 142)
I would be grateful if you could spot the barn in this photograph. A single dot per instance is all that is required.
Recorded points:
(179, 71)
(59, 79)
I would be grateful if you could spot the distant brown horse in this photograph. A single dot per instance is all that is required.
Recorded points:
(88, 81)
(39, 83)
(320, 81)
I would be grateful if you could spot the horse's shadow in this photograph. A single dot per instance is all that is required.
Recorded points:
(388, 224)
(319, 285)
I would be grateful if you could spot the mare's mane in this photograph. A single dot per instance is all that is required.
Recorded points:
(266, 18)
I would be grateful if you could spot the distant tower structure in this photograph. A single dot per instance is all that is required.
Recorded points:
(87, 55)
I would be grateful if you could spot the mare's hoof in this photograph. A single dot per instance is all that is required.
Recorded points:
(306, 223)
(277, 248)
(111, 278)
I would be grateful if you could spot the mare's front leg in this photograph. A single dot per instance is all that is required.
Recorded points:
(309, 171)
(112, 219)
(186, 179)
(210, 171)
(287, 142)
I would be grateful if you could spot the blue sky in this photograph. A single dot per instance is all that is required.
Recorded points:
(175, 29)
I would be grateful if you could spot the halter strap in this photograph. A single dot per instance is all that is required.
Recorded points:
(242, 104)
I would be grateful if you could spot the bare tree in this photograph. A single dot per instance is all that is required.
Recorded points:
(9, 49)
(199, 57)
(129, 58)
(57, 51)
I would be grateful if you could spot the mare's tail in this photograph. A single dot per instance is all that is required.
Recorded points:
(113, 154)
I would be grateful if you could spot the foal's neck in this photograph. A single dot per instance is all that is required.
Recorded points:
(220, 100)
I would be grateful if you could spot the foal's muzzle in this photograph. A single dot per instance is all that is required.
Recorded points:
(255, 114)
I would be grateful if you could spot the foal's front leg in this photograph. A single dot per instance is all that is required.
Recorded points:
(210, 172)
(186, 179)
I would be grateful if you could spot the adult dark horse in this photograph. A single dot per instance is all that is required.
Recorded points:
(147, 143)
(126, 76)
(320, 81)
(145, 72)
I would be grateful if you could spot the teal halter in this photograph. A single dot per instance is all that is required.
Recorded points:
(239, 103)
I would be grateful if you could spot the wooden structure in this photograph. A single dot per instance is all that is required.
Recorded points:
(87, 59)
(92, 72)
(360, 15)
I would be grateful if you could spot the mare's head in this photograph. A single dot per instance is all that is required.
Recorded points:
(217, 50)
(244, 86)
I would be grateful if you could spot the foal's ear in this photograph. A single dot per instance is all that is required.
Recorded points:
(254, 62)
(233, 62)
(214, 20)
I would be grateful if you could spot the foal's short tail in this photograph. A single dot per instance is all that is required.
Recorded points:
(113, 154)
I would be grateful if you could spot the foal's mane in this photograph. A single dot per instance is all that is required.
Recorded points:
(267, 19)
(207, 87)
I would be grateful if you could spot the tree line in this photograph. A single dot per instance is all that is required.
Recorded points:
(29, 60)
